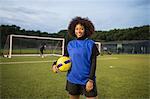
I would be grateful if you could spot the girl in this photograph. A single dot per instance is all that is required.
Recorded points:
(83, 52)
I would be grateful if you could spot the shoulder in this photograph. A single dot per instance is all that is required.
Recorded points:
(95, 50)
(72, 42)
(90, 41)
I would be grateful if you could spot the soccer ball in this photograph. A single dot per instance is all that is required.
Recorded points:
(64, 63)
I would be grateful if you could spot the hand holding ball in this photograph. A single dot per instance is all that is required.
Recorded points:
(63, 64)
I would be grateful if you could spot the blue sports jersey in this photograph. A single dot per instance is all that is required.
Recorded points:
(80, 52)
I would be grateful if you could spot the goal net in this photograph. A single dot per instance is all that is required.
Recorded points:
(23, 45)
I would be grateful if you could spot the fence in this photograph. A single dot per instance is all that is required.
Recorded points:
(128, 47)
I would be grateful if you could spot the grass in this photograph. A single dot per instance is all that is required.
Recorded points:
(127, 78)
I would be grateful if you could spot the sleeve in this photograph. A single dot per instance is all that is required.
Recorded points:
(66, 45)
(94, 55)
(66, 52)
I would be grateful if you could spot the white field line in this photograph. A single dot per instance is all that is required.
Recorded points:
(108, 58)
(26, 62)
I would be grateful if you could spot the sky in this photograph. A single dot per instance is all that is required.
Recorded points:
(54, 15)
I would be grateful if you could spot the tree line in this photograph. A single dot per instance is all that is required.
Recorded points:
(135, 33)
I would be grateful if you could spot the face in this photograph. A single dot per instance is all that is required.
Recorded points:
(79, 30)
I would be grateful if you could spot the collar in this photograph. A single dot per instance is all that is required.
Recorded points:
(82, 38)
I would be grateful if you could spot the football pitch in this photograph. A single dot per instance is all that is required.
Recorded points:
(118, 77)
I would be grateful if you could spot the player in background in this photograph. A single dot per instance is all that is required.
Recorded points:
(42, 48)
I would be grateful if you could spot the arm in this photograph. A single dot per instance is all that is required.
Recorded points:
(95, 53)
(66, 52)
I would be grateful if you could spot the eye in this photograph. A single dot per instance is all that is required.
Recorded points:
(76, 28)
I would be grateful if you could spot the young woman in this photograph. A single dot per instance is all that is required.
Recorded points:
(83, 52)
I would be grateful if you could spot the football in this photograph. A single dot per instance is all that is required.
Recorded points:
(64, 63)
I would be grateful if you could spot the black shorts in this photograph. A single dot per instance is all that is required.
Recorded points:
(77, 89)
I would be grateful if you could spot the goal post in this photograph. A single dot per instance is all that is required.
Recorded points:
(24, 45)
(98, 44)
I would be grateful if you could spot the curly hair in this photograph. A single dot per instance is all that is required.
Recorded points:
(88, 25)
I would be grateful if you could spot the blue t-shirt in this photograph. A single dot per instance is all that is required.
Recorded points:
(80, 52)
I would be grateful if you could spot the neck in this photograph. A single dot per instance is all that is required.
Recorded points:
(82, 38)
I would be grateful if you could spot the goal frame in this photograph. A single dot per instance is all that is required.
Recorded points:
(37, 37)
(99, 46)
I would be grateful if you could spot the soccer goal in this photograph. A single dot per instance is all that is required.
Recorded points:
(23, 45)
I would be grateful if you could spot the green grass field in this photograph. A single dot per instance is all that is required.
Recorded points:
(118, 77)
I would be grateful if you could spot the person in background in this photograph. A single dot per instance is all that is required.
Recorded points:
(42, 48)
